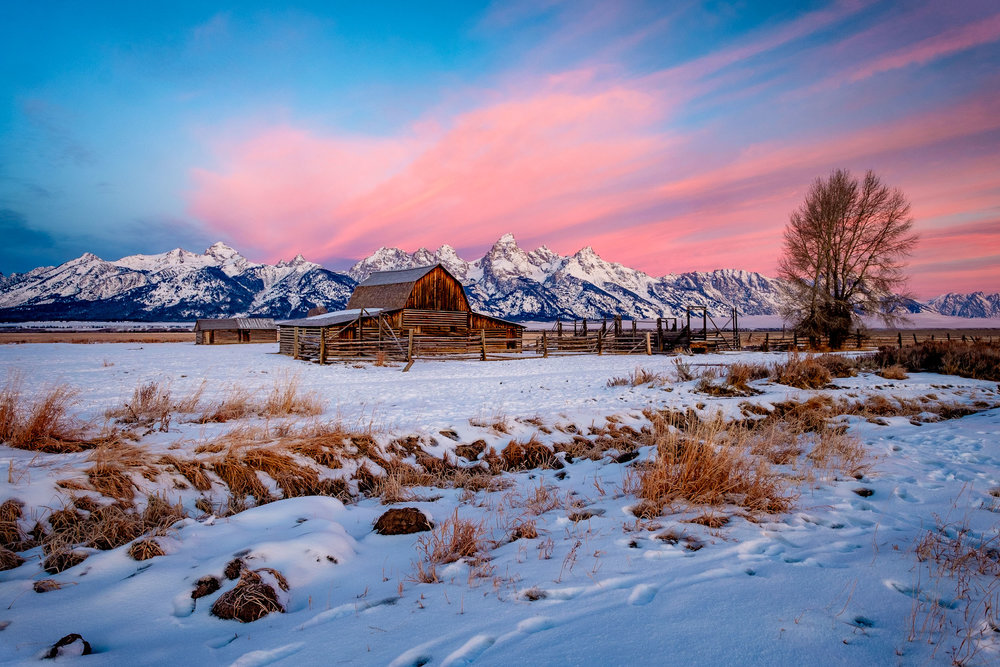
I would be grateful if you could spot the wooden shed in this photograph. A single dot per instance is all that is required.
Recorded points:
(235, 330)
(426, 303)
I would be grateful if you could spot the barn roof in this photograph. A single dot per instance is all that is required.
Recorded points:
(241, 323)
(330, 319)
(400, 276)
(388, 289)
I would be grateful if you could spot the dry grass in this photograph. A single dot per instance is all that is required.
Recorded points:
(145, 549)
(453, 540)
(9, 560)
(959, 560)
(973, 359)
(241, 479)
(527, 455)
(254, 596)
(192, 470)
(682, 370)
(639, 376)
(710, 465)
(894, 372)
(287, 398)
(105, 527)
(237, 403)
(739, 375)
(802, 372)
(11, 535)
(42, 424)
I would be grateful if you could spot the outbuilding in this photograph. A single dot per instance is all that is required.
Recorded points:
(235, 330)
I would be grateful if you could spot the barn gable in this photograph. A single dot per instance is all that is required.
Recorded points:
(421, 288)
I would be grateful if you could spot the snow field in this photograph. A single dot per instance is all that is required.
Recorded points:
(835, 580)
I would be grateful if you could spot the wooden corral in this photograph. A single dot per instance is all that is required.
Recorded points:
(235, 330)
(401, 315)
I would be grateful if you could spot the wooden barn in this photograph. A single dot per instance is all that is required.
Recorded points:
(235, 330)
(413, 312)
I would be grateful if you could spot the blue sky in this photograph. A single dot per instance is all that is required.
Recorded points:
(670, 136)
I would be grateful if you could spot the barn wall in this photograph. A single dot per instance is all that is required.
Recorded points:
(438, 291)
(262, 335)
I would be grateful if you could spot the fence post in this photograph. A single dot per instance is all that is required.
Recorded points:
(633, 327)
(649, 342)
(600, 344)
(295, 344)
(899, 338)
(558, 328)
(767, 340)
(545, 346)
(482, 339)
(322, 346)
(795, 339)
(914, 339)
(409, 346)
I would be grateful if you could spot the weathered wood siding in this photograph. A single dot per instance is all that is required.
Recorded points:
(438, 291)
(235, 336)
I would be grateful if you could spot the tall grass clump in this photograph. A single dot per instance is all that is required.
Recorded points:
(802, 372)
(711, 463)
(40, 424)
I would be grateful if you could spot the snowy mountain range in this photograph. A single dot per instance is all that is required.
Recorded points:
(506, 282)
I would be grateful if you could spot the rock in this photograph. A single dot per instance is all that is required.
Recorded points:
(402, 521)
(72, 644)
(205, 586)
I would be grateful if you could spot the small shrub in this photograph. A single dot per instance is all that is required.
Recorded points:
(683, 370)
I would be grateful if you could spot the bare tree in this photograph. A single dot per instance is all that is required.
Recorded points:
(843, 255)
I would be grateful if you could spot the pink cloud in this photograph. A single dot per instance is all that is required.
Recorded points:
(527, 164)
(948, 42)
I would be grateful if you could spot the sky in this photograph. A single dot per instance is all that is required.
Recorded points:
(669, 136)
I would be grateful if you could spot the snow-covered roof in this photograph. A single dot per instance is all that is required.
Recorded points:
(235, 323)
(400, 276)
(328, 319)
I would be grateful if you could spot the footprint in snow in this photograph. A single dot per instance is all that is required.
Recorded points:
(917, 594)
(469, 651)
(266, 657)
(642, 594)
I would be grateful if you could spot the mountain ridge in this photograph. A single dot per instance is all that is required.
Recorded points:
(507, 281)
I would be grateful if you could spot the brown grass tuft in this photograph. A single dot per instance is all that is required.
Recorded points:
(145, 549)
(453, 540)
(802, 372)
(527, 455)
(193, 471)
(894, 372)
(711, 466)
(43, 424)
(11, 535)
(9, 560)
(253, 598)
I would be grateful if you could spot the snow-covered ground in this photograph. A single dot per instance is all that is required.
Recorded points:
(833, 581)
